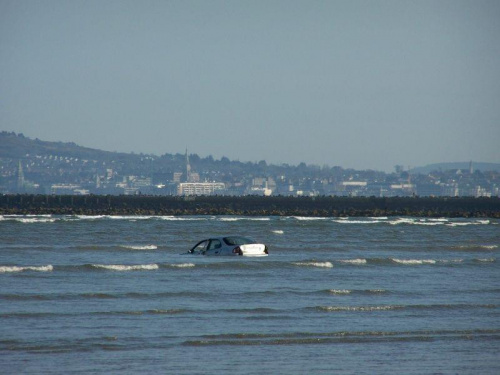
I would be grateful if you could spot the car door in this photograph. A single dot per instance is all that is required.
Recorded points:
(214, 247)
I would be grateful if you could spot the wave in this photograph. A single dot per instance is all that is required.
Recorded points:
(100, 296)
(463, 224)
(182, 218)
(474, 247)
(401, 307)
(358, 221)
(248, 218)
(308, 218)
(181, 265)
(353, 261)
(314, 264)
(414, 261)
(28, 315)
(349, 337)
(485, 260)
(7, 269)
(28, 219)
(339, 291)
(355, 291)
(121, 267)
(358, 308)
(278, 232)
(140, 247)
(238, 265)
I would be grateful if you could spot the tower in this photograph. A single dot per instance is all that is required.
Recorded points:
(188, 168)
(471, 168)
(20, 177)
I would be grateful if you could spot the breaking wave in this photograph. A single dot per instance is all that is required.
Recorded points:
(314, 264)
(339, 291)
(278, 232)
(121, 267)
(485, 260)
(140, 247)
(181, 265)
(29, 219)
(343, 221)
(308, 218)
(6, 269)
(239, 218)
(414, 261)
(402, 307)
(353, 261)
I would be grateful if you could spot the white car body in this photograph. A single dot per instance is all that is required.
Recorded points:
(229, 246)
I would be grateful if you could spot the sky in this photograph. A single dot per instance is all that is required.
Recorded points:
(356, 84)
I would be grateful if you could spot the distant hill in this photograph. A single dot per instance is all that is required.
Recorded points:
(17, 146)
(464, 166)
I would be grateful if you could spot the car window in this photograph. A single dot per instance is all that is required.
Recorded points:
(214, 244)
(237, 241)
(201, 246)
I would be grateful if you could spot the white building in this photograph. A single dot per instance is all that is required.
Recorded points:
(199, 188)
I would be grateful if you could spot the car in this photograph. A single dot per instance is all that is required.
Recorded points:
(230, 246)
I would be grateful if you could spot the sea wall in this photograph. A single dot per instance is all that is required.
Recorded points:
(250, 205)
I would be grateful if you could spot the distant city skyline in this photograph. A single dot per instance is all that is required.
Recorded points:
(358, 84)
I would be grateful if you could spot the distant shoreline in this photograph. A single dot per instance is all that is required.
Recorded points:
(466, 207)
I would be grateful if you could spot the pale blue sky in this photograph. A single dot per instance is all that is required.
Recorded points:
(361, 84)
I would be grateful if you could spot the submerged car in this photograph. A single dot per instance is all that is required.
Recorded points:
(230, 245)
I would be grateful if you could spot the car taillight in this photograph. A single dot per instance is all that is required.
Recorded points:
(237, 250)
(265, 250)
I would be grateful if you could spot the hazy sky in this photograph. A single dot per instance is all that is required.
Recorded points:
(361, 84)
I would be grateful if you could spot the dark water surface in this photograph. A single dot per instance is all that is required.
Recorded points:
(358, 295)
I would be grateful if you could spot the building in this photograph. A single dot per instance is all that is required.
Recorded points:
(199, 188)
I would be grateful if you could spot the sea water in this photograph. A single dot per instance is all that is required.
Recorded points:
(119, 294)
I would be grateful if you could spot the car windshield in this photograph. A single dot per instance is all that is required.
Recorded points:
(237, 240)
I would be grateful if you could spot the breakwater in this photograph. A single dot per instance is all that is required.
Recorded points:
(249, 205)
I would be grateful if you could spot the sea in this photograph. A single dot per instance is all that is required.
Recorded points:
(120, 295)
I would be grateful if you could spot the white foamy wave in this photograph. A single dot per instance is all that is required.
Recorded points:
(129, 217)
(5, 269)
(441, 219)
(413, 261)
(428, 223)
(379, 218)
(459, 224)
(357, 221)
(455, 261)
(353, 261)
(488, 247)
(182, 265)
(90, 217)
(314, 264)
(486, 260)
(463, 224)
(360, 308)
(307, 218)
(484, 222)
(178, 218)
(402, 221)
(339, 291)
(239, 218)
(121, 267)
(139, 247)
(29, 220)
(278, 231)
